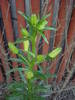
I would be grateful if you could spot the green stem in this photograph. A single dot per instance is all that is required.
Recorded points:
(33, 47)
(29, 90)
(34, 41)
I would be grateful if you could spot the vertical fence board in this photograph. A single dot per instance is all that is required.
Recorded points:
(20, 6)
(28, 7)
(59, 37)
(6, 27)
(54, 23)
(14, 18)
(69, 6)
(35, 6)
(5, 6)
(61, 22)
(15, 29)
(70, 38)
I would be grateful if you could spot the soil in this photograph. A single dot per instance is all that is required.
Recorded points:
(66, 95)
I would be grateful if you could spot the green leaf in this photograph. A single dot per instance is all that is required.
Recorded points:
(50, 28)
(31, 54)
(39, 75)
(16, 60)
(22, 76)
(41, 88)
(48, 75)
(55, 52)
(15, 97)
(46, 16)
(40, 68)
(15, 86)
(20, 72)
(32, 63)
(16, 69)
(23, 58)
(44, 37)
(26, 17)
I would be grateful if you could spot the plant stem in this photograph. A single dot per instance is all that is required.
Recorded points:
(29, 90)
(33, 47)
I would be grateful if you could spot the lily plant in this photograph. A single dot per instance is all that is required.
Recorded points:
(34, 83)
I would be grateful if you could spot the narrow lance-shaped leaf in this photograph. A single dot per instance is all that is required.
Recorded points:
(48, 75)
(16, 60)
(22, 76)
(16, 69)
(50, 28)
(39, 75)
(24, 59)
(23, 15)
(44, 37)
(31, 54)
(46, 16)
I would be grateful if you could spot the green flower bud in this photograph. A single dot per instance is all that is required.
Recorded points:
(40, 58)
(24, 32)
(13, 48)
(29, 74)
(41, 25)
(34, 20)
(26, 45)
(55, 52)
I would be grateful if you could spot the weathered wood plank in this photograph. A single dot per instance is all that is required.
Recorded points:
(28, 7)
(20, 6)
(15, 28)
(62, 32)
(14, 18)
(70, 42)
(4, 38)
(54, 23)
(35, 5)
(64, 38)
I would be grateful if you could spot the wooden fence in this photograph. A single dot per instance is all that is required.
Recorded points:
(62, 17)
